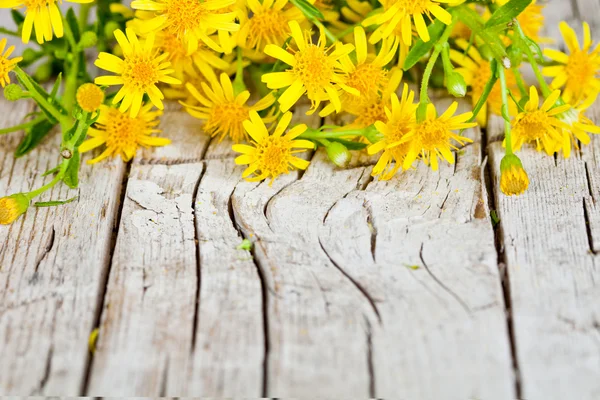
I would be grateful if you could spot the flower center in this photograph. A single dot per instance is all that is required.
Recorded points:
(89, 97)
(313, 68)
(274, 156)
(581, 68)
(122, 131)
(227, 119)
(534, 125)
(169, 43)
(36, 4)
(433, 133)
(183, 16)
(367, 78)
(140, 71)
(411, 6)
(374, 111)
(267, 27)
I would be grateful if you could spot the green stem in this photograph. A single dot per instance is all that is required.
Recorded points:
(39, 98)
(22, 126)
(317, 135)
(57, 178)
(546, 91)
(504, 90)
(70, 144)
(423, 97)
(328, 33)
(520, 82)
(84, 12)
(9, 32)
(73, 72)
(487, 89)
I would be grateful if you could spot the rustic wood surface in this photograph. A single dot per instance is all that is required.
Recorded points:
(353, 286)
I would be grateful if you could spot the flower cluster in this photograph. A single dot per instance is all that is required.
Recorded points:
(241, 66)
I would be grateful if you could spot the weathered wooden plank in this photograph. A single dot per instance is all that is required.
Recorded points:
(146, 328)
(229, 344)
(53, 267)
(317, 318)
(421, 245)
(552, 276)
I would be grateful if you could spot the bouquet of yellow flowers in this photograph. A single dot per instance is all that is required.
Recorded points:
(240, 66)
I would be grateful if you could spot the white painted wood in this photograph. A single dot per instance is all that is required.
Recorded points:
(53, 267)
(229, 345)
(422, 246)
(146, 330)
(552, 274)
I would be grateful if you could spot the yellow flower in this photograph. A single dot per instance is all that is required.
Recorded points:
(578, 71)
(314, 71)
(398, 15)
(271, 154)
(44, 15)
(476, 71)
(513, 178)
(89, 97)
(577, 126)
(11, 207)
(400, 120)
(432, 138)
(223, 111)
(368, 75)
(122, 134)
(139, 71)
(267, 24)
(191, 21)
(6, 64)
(539, 124)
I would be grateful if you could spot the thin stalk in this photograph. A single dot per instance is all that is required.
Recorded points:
(329, 135)
(504, 89)
(520, 81)
(38, 98)
(546, 91)
(22, 126)
(424, 97)
(84, 12)
(57, 178)
(71, 78)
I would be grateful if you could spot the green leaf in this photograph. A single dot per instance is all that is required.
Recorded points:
(56, 86)
(71, 178)
(310, 11)
(507, 12)
(349, 144)
(72, 21)
(17, 17)
(54, 202)
(494, 217)
(421, 48)
(51, 171)
(42, 92)
(33, 137)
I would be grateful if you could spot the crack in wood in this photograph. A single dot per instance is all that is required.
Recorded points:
(104, 277)
(357, 284)
(47, 248)
(370, 364)
(196, 319)
(460, 301)
(164, 379)
(588, 228)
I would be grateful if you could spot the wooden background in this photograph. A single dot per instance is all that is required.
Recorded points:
(354, 287)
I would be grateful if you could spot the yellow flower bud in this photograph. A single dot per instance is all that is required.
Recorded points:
(11, 207)
(89, 97)
(513, 178)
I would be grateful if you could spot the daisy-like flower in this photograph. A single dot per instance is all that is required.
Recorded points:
(315, 71)
(223, 111)
(432, 138)
(191, 21)
(368, 75)
(122, 134)
(539, 124)
(140, 70)
(476, 71)
(400, 120)
(44, 15)
(268, 23)
(578, 126)
(399, 15)
(271, 155)
(579, 71)
(6, 64)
